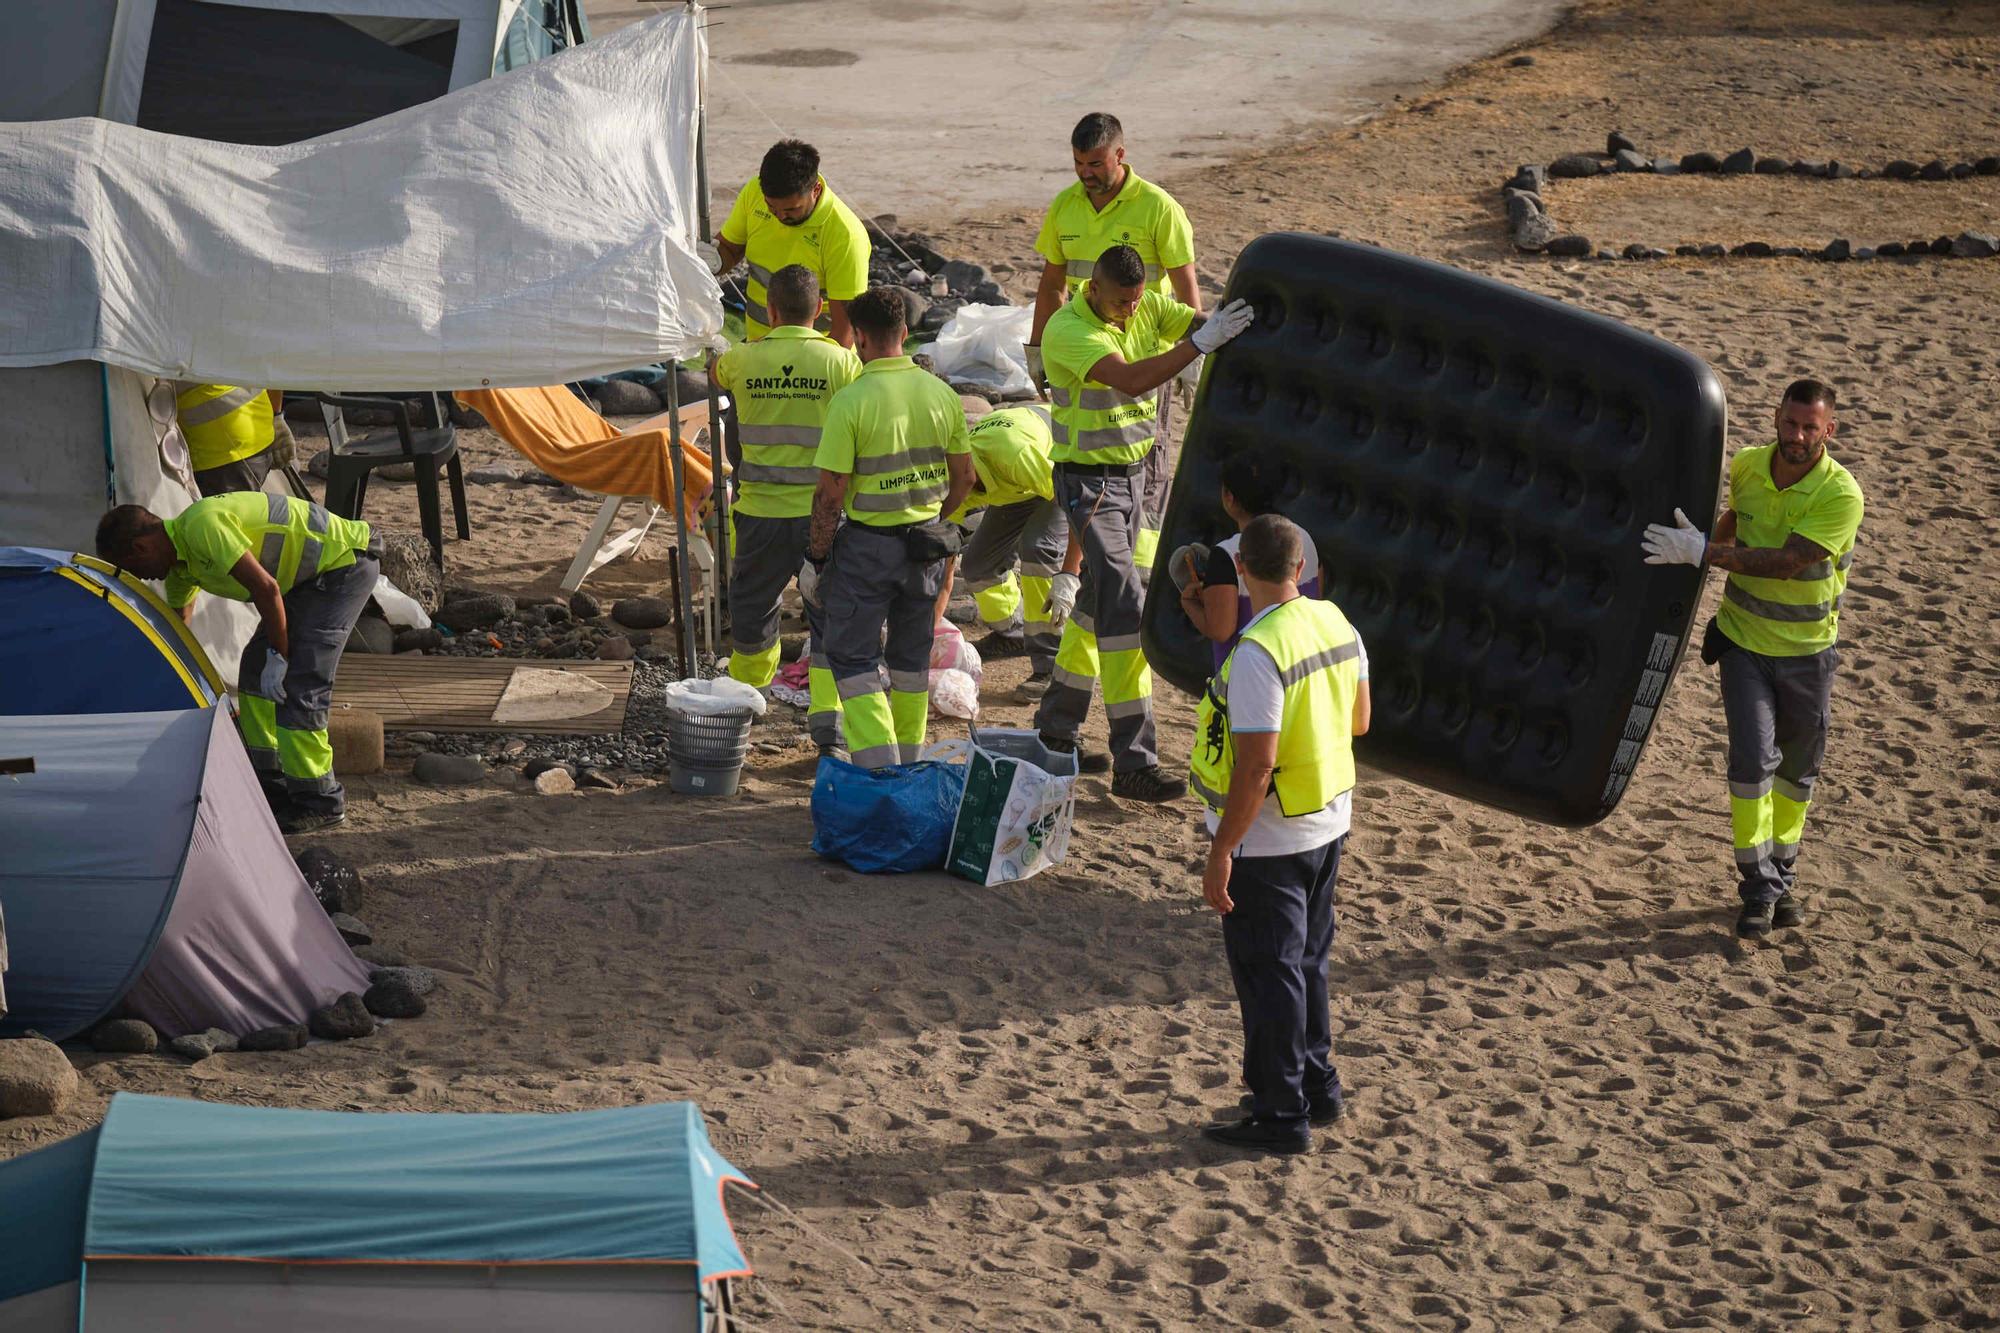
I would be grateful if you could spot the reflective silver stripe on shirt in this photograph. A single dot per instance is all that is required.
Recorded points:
(779, 476)
(759, 274)
(277, 510)
(1824, 568)
(1785, 611)
(888, 502)
(217, 408)
(1320, 661)
(1082, 270)
(1093, 400)
(874, 465)
(1113, 437)
(807, 435)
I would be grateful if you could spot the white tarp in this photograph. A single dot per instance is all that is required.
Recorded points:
(531, 229)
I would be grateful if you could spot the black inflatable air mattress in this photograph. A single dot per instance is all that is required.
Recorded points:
(1479, 463)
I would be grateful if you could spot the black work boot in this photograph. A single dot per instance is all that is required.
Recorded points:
(1785, 911)
(1087, 761)
(999, 646)
(309, 821)
(1754, 922)
(1148, 784)
(1254, 1135)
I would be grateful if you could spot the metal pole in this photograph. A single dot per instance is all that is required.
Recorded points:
(684, 609)
(715, 451)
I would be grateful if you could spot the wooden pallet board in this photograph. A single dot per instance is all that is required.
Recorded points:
(413, 692)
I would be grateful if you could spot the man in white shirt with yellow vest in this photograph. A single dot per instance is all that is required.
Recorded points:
(1786, 541)
(1274, 762)
(781, 385)
(1110, 205)
(893, 456)
(788, 215)
(1103, 356)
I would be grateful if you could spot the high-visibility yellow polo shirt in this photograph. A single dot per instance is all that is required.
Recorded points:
(294, 540)
(889, 434)
(1010, 453)
(1095, 423)
(1798, 616)
(831, 242)
(222, 423)
(782, 384)
(1140, 215)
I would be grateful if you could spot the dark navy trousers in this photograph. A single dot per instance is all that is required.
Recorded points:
(1277, 937)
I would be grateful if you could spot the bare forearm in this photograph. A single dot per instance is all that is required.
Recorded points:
(1247, 785)
(825, 515)
(1761, 562)
(1048, 299)
(839, 329)
(1185, 291)
(271, 607)
(730, 252)
(1073, 554)
(1135, 379)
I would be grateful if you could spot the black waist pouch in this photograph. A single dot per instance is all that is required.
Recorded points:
(935, 540)
(1714, 643)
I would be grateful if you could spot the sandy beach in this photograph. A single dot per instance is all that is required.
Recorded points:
(1575, 1096)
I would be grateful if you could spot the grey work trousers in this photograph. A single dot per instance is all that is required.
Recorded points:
(1032, 536)
(870, 582)
(1778, 711)
(1159, 475)
(767, 557)
(1102, 636)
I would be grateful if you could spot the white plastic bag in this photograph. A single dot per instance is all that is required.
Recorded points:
(955, 694)
(710, 698)
(951, 651)
(398, 606)
(986, 344)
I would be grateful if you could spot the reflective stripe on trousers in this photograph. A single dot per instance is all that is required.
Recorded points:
(1777, 713)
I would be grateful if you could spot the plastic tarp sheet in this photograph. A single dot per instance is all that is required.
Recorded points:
(538, 226)
(181, 1178)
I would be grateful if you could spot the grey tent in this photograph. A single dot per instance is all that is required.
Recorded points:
(144, 872)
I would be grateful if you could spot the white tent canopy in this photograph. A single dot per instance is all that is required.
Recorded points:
(530, 229)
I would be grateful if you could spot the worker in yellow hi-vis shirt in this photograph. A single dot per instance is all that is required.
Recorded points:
(235, 436)
(788, 215)
(781, 385)
(1786, 540)
(893, 456)
(1103, 369)
(1019, 529)
(1110, 205)
(309, 573)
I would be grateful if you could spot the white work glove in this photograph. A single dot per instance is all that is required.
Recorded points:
(710, 256)
(1036, 375)
(1185, 383)
(1062, 598)
(271, 680)
(1223, 325)
(809, 584)
(1682, 544)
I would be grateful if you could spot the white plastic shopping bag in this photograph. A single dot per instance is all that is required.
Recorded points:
(1019, 806)
(985, 344)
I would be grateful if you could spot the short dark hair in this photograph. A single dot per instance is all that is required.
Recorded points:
(1261, 478)
(120, 529)
(1809, 392)
(1271, 549)
(1099, 129)
(789, 169)
(877, 312)
(1121, 267)
(793, 293)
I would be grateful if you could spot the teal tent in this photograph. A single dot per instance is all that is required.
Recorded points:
(181, 1215)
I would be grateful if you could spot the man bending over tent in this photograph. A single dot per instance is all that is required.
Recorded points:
(309, 573)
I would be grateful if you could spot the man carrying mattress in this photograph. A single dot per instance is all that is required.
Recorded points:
(1020, 529)
(1100, 352)
(781, 385)
(309, 573)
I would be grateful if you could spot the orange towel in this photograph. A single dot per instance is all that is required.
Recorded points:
(557, 432)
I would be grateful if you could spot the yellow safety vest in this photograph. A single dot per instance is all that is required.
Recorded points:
(1798, 616)
(890, 432)
(782, 384)
(294, 540)
(223, 423)
(1095, 423)
(1318, 656)
(1010, 452)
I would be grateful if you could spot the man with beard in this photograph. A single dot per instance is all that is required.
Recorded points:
(785, 216)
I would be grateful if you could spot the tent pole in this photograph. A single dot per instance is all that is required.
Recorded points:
(724, 533)
(684, 611)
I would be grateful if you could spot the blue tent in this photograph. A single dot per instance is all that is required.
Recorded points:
(197, 1215)
(84, 637)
